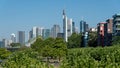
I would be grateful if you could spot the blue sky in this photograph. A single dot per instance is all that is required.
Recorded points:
(22, 15)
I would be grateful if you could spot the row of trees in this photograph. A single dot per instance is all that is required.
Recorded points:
(54, 48)
(75, 40)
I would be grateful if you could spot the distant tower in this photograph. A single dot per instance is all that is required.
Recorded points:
(13, 38)
(83, 26)
(55, 30)
(21, 37)
(69, 27)
(45, 33)
(65, 26)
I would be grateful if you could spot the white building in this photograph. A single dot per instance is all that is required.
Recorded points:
(67, 27)
(13, 38)
(35, 32)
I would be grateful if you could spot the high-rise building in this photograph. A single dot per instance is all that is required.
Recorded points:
(69, 27)
(13, 38)
(83, 26)
(5, 43)
(30, 35)
(73, 27)
(110, 25)
(35, 32)
(65, 26)
(60, 35)
(46, 33)
(39, 31)
(21, 37)
(116, 24)
(55, 30)
(1, 44)
(100, 33)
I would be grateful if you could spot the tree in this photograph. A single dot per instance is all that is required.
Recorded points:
(74, 41)
(38, 44)
(4, 53)
(116, 40)
(15, 44)
(92, 42)
(59, 48)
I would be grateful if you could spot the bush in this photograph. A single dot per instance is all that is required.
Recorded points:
(107, 57)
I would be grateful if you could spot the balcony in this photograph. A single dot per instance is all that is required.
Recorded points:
(117, 19)
(118, 23)
(117, 28)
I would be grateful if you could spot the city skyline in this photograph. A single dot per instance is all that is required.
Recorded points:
(23, 15)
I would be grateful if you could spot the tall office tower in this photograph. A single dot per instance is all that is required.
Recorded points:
(55, 30)
(13, 38)
(110, 25)
(87, 27)
(21, 37)
(1, 44)
(76, 30)
(65, 26)
(34, 32)
(69, 27)
(73, 27)
(39, 31)
(116, 24)
(46, 33)
(30, 35)
(82, 26)
(5, 43)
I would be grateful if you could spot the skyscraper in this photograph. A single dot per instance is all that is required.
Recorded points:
(65, 26)
(13, 38)
(73, 27)
(110, 25)
(83, 26)
(55, 30)
(21, 37)
(35, 32)
(69, 27)
(116, 24)
(46, 33)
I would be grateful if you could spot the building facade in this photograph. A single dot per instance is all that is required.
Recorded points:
(69, 27)
(100, 33)
(55, 30)
(83, 27)
(116, 25)
(21, 37)
(65, 26)
(45, 33)
(13, 38)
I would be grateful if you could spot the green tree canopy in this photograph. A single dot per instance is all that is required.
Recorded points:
(92, 42)
(74, 41)
(15, 44)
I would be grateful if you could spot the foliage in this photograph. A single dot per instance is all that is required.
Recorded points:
(74, 41)
(92, 42)
(24, 59)
(107, 57)
(116, 40)
(50, 47)
(15, 44)
(4, 53)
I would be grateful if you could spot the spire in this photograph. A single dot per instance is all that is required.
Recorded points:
(63, 12)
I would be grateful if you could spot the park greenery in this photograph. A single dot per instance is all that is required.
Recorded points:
(69, 55)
